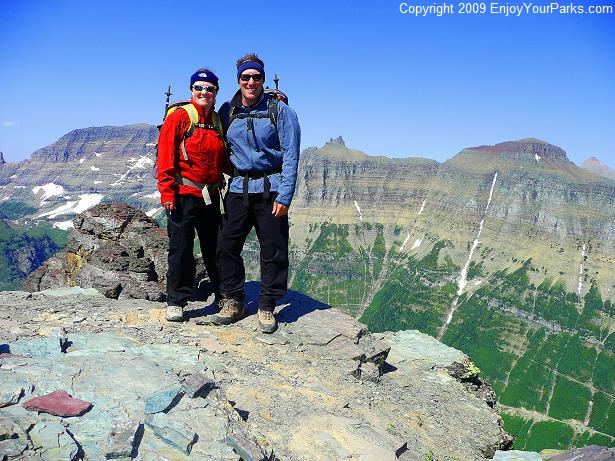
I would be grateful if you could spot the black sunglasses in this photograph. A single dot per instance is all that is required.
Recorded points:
(209, 89)
(247, 77)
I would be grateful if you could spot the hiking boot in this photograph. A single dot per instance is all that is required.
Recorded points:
(174, 313)
(266, 321)
(231, 310)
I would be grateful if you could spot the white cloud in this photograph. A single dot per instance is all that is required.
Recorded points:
(8, 124)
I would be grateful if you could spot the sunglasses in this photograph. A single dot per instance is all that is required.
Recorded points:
(247, 77)
(209, 89)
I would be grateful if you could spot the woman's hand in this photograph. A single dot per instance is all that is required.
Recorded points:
(169, 206)
(279, 209)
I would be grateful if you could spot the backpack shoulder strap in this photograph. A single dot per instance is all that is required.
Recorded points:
(194, 118)
(217, 122)
(272, 108)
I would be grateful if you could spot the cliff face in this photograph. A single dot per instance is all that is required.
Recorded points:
(321, 388)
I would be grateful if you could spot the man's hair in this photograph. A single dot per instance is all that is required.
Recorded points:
(250, 57)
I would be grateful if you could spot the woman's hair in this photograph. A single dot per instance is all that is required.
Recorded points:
(250, 57)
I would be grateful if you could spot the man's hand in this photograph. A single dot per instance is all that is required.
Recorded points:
(169, 206)
(279, 209)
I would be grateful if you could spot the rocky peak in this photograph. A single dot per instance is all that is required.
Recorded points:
(86, 142)
(339, 141)
(527, 149)
(2, 158)
(594, 165)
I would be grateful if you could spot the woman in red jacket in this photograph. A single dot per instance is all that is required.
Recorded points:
(191, 160)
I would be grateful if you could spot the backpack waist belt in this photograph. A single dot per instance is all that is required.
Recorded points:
(205, 188)
(256, 175)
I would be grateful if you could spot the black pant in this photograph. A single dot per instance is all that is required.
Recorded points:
(191, 214)
(272, 236)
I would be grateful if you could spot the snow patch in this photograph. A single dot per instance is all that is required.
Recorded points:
(14, 176)
(356, 205)
(93, 168)
(581, 271)
(150, 144)
(97, 154)
(154, 211)
(417, 243)
(463, 276)
(85, 202)
(97, 182)
(49, 190)
(81, 161)
(422, 208)
(64, 225)
(537, 157)
(19, 187)
(154, 195)
(143, 160)
(403, 245)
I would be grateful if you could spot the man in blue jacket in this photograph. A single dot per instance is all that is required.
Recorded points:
(263, 136)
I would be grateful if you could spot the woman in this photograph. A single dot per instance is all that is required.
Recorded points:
(191, 159)
(263, 135)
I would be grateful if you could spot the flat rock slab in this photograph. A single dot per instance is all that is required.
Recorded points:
(54, 441)
(320, 327)
(516, 455)
(122, 440)
(416, 347)
(271, 339)
(177, 434)
(163, 399)
(69, 291)
(589, 453)
(11, 396)
(196, 384)
(58, 403)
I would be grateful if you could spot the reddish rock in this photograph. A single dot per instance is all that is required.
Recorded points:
(58, 403)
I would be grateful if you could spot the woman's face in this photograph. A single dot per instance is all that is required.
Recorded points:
(204, 94)
(251, 85)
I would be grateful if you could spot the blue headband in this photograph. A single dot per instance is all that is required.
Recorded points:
(250, 65)
(204, 76)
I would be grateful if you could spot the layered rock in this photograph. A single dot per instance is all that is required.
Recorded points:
(187, 391)
(595, 166)
(114, 248)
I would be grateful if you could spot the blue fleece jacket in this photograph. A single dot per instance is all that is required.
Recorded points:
(259, 150)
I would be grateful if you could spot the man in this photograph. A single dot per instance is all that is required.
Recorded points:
(263, 135)
(191, 158)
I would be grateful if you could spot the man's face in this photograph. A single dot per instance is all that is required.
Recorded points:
(251, 85)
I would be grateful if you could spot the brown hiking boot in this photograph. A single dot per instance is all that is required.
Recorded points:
(266, 321)
(231, 310)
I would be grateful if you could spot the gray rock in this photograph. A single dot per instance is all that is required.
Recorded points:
(176, 434)
(54, 441)
(8, 429)
(12, 448)
(516, 455)
(10, 397)
(320, 327)
(196, 384)
(414, 346)
(248, 449)
(163, 399)
(121, 443)
(271, 339)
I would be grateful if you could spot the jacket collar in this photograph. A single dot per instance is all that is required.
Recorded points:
(199, 109)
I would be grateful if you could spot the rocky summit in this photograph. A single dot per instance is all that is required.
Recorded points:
(86, 377)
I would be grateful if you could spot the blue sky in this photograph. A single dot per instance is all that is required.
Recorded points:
(390, 84)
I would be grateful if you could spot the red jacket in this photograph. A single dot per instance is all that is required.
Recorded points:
(206, 156)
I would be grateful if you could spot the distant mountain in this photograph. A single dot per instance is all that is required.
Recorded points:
(597, 167)
(505, 252)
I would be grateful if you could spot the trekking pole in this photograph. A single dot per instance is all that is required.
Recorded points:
(166, 106)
